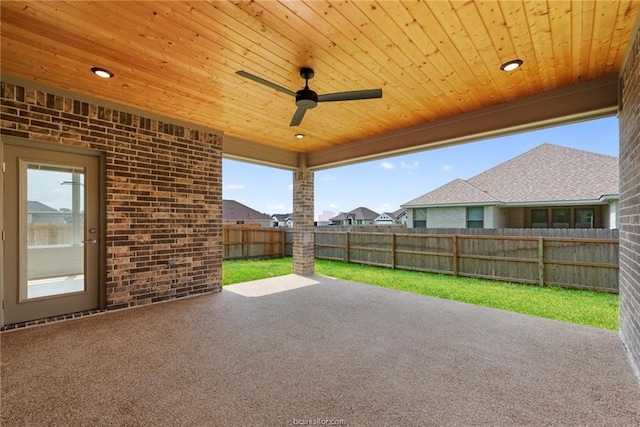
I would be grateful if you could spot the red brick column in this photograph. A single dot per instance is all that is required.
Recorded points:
(303, 228)
(630, 206)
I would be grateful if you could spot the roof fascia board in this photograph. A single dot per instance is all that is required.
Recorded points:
(579, 102)
(246, 151)
(453, 205)
(601, 200)
(556, 203)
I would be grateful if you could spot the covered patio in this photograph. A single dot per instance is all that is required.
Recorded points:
(174, 99)
(286, 350)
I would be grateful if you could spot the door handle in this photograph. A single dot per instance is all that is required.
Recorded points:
(92, 241)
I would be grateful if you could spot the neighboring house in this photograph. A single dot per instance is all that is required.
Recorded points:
(358, 216)
(41, 213)
(324, 218)
(547, 187)
(396, 217)
(384, 218)
(282, 220)
(237, 213)
(401, 216)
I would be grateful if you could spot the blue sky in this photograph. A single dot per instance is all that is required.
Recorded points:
(383, 185)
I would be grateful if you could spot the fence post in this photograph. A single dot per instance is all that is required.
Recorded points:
(346, 246)
(284, 242)
(454, 240)
(245, 249)
(541, 261)
(393, 250)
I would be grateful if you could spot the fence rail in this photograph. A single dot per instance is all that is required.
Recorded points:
(241, 242)
(586, 259)
(586, 263)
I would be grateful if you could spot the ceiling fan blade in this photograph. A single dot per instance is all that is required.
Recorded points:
(265, 83)
(351, 96)
(297, 116)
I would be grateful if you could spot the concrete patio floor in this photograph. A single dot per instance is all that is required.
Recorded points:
(295, 350)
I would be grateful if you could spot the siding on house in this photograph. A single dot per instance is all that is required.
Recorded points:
(455, 217)
(492, 217)
(385, 218)
(612, 215)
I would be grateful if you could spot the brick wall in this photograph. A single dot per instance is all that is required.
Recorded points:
(630, 207)
(303, 230)
(163, 192)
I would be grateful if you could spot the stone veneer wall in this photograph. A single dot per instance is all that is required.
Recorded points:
(163, 192)
(303, 229)
(630, 206)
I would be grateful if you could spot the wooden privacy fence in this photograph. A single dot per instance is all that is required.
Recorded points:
(587, 263)
(242, 242)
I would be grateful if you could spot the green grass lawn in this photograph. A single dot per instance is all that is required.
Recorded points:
(590, 308)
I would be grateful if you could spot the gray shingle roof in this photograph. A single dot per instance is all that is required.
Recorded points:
(457, 191)
(282, 217)
(358, 214)
(547, 173)
(38, 207)
(397, 214)
(234, 211)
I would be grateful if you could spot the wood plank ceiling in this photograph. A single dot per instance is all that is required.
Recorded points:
(432, 59)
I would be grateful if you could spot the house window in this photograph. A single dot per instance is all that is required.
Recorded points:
(584, 218)
(561, 218)
(475, 217)
(539, 218)
(419, 218)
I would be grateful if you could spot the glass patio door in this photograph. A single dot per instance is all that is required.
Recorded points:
(52, 233)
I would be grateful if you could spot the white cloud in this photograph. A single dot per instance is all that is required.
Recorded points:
(333, 206)
(387, 165)
(279, 208)
(290, 186)
(234, 187)
(327, 177)
(409, 166)
(446, 168)
(385, 207)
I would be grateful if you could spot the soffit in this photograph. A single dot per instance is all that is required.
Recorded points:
(436, 62)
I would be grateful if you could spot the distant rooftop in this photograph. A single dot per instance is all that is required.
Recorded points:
(547, 173)
(38, 207)
(235, 210)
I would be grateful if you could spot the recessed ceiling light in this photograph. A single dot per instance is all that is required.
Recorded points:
(299, 135)
(101, 72)
(511, 65)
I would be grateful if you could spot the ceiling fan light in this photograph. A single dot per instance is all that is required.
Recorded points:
(299, 135)
(102, 72)
(511, 65)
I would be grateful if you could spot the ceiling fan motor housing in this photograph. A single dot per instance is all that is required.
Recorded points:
(306, 98)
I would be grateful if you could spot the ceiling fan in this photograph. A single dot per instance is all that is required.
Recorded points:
(306, 98)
